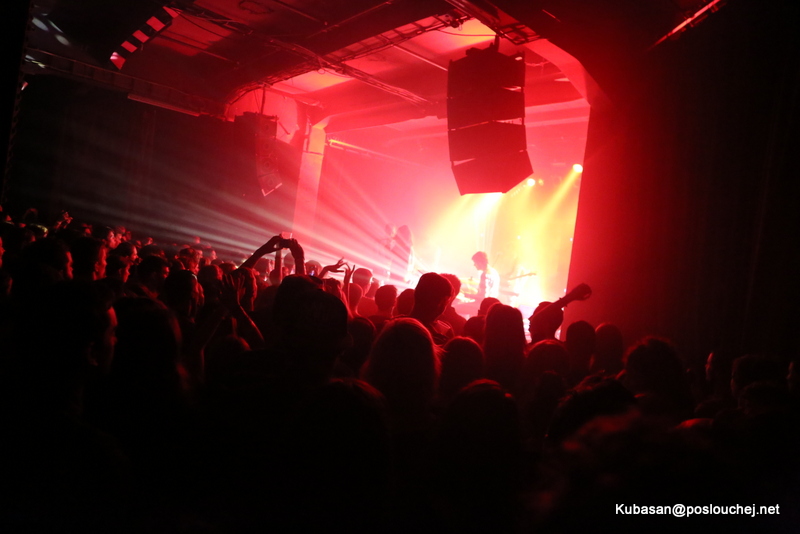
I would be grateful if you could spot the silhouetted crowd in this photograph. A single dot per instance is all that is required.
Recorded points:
(158, 388)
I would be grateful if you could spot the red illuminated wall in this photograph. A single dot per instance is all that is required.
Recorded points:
(688, 211)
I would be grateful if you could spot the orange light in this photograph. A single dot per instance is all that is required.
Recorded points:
(577, 167)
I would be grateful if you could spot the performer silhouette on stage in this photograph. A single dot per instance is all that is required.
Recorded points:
(490, 281)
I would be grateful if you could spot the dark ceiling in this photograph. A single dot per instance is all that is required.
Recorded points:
(390, 55)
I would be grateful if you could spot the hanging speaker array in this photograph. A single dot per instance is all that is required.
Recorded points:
(486, 121)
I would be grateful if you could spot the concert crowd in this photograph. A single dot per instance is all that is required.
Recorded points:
(158, 388)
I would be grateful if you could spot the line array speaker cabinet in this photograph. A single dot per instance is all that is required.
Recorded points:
(269, 168)
(486, 121)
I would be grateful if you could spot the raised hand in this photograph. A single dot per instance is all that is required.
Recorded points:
(348, 273)
(294, 247)
(335, 268)
(270, 246)
(579, 292)
(298, 254)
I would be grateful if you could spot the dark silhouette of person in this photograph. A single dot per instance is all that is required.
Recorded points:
(403, 365)
(504, 345)
(462, 363)
(450, 316)
(489, 285)
(580, 344)
(431, 297)
(385, 300)
(609, 349)
(548, 316)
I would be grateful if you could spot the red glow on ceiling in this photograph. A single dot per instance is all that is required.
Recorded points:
(312, 81)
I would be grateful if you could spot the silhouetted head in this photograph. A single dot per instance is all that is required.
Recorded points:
(274, 277)
(455, 282)
(481, 260)
(354, 294)
(504, 344)
(546, 355)
(88, 258)
(479, 458)
(313, 267)
(462, 364)
(249, 287)
(545, 321)
(431, 297)
(79, 335)
(117, 268)
(652, 365)
(127, 251)
(190, 258)
(656, 375)
(362, 277)
(403, 365)
(474, 329)
(607, 397)
(106, 235)
(148, 342)
(405, 302)
(486, 304)
(386, 298)
(182, 293)
(362, 332)
(50, 253)
(312, 326)
(609, 349)
(580, 342)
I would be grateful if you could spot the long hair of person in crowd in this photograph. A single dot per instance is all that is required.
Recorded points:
(504, 345)
(462, 364)
(404, 366)
(479, 453)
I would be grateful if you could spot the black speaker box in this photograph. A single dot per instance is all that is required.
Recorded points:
(485, 121)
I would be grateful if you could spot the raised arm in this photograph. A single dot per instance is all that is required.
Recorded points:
(230, 297)
(579, 292)
(299, 256)
(335, 268)
(348, 275)
(270, 246)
